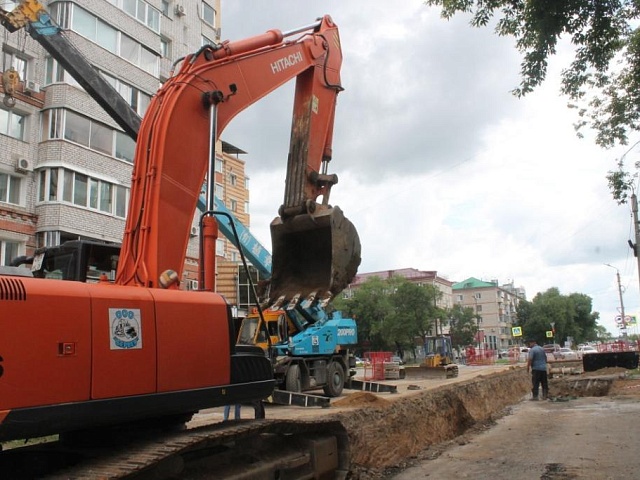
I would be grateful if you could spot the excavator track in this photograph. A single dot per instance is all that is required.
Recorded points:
(235, 450)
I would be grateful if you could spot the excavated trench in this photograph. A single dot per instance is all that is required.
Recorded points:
(387, 435)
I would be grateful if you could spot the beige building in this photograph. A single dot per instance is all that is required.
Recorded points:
(495, 305)
(66, 165)
(418, 277)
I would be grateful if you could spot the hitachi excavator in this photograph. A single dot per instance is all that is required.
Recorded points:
(80, 356)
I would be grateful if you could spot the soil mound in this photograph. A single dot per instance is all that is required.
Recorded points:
(360, 398)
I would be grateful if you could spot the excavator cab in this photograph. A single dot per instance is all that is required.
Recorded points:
(314, 255)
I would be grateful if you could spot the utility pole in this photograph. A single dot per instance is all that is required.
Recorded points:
(636, 231)
(624, 321)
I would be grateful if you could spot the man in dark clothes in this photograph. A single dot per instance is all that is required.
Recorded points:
(537, 365)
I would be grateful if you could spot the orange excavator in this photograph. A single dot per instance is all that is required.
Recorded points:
(78, 356)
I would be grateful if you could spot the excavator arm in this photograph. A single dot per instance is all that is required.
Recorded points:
(175, 149)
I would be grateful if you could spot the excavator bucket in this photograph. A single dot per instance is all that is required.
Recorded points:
(313, 255)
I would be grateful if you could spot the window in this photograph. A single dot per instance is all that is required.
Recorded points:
(82, 191)
(220, 247)
(66, 124)
(233, 179)
(125, 147)
(218, 190)
(89, 26)
(219, 165)
(246, 207)
(165, 8)
(11, 59)
(10, 188)
(233, 205)
(77, 128)
(8, 251)
(478, 308)
(121, 201)
(208, 14)
(53, 185)
(246, 183)
(12, 124)
(143, 12)
(165, 47)
(53, 72)
(106, 197)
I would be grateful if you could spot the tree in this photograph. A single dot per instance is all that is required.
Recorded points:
(370, 306)
(414, 311)
(571, 316)
(463, 326)
(391, 313)
(603, 80)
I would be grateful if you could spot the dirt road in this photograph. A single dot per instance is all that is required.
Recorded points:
(584, 438)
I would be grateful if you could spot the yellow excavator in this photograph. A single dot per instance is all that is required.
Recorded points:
(438, 361)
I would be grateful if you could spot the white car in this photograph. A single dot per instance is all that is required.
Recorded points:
(566, 354)
(586, 349)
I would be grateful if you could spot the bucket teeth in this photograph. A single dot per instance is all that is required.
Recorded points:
(293, 302)
(324, 301)
(307, 302)
(277, 304)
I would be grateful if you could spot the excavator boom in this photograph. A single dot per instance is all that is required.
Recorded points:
(175, 146)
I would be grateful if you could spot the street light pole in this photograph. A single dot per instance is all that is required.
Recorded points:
(624, 321)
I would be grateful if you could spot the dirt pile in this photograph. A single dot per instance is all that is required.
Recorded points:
(360, 399)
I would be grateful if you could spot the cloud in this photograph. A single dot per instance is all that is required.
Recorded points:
(441, 167)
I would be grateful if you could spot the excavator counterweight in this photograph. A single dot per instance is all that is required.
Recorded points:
(313, 254)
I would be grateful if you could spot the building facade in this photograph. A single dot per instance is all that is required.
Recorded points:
(495, 306)
(66, 166)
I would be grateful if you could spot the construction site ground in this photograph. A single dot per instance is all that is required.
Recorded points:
(482, 425)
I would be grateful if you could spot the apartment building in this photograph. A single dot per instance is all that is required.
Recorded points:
(418, 277)
(495, 305)
(66, 165)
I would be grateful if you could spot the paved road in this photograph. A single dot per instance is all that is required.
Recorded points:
(587, 438)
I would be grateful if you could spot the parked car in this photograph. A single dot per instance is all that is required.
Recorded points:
(524, 354)
(586, 349)
(565, 354)
(551, 347)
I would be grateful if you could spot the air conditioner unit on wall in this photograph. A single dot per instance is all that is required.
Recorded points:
(195, 231)
(31, 86)
(24, 165)
(180, 10)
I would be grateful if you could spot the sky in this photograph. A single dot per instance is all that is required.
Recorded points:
(440, 167)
